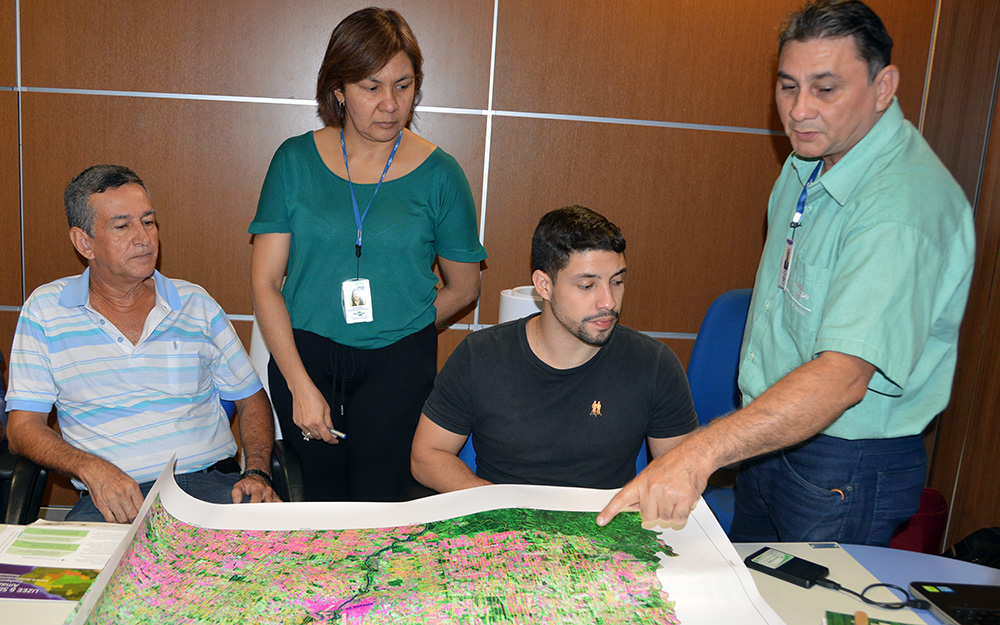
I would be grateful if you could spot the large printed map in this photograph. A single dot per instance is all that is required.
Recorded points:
(500, 566)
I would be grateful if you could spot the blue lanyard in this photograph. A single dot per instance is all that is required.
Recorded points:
(359, 219)
(802, 198)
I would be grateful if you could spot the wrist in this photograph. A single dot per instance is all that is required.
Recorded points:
(299, 383)
(261, 474)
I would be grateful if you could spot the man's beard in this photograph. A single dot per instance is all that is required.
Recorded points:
(579, 328)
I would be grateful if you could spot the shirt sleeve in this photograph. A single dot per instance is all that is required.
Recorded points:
(880, 304)
(673, 412)
(32, 387)
(456, 236)
(450, 403)
(272, 207)
(232, 373)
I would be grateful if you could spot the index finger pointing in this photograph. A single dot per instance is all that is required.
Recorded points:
(622, 499)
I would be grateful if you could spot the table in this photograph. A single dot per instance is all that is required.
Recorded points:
(856, 566)
(853, 566)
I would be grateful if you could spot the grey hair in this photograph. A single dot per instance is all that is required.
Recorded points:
(96, 179)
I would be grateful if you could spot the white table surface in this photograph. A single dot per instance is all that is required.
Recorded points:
(808, 606)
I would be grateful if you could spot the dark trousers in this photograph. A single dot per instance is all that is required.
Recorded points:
(830, 489)
(376, 397)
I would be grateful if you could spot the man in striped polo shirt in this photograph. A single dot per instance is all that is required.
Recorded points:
(135, 364)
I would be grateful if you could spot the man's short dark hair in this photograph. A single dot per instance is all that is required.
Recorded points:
(96, 179)
(831, 19)
(568, 230)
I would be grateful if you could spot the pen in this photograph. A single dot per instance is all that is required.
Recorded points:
(860, 618)
(337, 433)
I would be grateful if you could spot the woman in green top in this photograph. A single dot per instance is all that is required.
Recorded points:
(350, 221)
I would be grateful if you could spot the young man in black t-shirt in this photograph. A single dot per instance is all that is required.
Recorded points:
(564, 397)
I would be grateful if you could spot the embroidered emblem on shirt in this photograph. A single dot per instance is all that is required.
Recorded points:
(595, 409)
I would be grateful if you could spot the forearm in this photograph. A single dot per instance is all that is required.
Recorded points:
(795, 408)
(443, 471)
(276, 327)
(31, 437)
(267, 274)
(256, 431)
(460, 287)
(448, 303)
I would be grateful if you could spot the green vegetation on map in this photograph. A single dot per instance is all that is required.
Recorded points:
(502, 566)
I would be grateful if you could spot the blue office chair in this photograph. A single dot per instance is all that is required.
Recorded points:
(468, 455)
(712, 375)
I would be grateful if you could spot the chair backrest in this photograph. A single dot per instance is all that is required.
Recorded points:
(22, 484)
(468, 455)
(259, 357)
(286, 466)
(715, 358)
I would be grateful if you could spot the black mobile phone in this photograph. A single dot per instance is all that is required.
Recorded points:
(786, 566)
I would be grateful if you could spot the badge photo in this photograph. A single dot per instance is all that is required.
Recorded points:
(356, 297)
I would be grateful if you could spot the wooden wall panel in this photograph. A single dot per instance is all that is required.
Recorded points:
(10, 207)
(968, 437)
(958, 109)
(448, 340)
(960, 97)
(8, 44)
(682, 348)
(676, 194)
(976, 501)
(709, 62)
(203, 163)
(239, 47)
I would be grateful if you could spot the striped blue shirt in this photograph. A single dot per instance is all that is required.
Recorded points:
(133, 405)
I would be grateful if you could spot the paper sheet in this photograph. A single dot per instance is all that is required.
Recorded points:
(707, 579)
(69, 545)
(54, 561)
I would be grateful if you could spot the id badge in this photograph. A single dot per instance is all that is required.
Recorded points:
(786, 263)
(356, 296)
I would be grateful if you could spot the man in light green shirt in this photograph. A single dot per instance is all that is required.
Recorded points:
(850, 345)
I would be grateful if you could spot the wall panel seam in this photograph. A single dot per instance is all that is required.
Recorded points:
(488, 143)
(20, 144)
(488, 113)
(935, 25)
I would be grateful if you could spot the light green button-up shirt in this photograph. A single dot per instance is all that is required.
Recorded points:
(881, 270)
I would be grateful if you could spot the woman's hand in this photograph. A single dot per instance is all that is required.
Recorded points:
(311, 413)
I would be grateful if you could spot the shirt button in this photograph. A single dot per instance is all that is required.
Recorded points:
(102, 321)
(767, 305)
(120, 339)
(752, 355)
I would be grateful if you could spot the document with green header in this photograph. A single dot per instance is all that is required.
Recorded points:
(73, 545)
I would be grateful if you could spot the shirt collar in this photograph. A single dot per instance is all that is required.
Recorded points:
(844, 177)
(76, 291)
